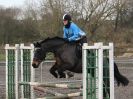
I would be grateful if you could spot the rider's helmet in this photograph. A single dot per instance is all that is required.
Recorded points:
(67, 17)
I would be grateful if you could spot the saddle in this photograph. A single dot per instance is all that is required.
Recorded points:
(79, 44)
(79, 50)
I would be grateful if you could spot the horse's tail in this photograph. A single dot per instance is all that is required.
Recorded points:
(119, 77)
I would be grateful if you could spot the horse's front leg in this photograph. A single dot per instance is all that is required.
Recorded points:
(53, 70)
(61, 72)
(65, 74)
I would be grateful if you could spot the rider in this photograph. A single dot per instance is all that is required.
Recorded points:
(72, 32)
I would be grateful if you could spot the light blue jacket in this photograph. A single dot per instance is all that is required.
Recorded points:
(73, 33)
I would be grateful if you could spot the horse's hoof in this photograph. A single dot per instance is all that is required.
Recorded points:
(62, 76)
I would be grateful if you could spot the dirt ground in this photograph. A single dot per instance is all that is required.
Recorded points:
(120, 92)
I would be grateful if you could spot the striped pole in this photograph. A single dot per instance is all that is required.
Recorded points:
(66, 96)
(69, 86)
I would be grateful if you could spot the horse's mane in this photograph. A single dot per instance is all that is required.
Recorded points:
(53, 38)
(58, 38)
(61, 40)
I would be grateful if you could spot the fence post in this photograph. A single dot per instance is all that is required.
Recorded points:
(100, 71)
(16, 69)
(32, 76)
(111, 67)
(84, 56)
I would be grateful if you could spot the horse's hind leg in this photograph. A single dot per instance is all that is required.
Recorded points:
(53, 70)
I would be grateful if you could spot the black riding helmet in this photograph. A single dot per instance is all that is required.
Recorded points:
(67, 17)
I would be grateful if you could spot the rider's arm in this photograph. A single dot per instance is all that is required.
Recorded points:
(65, 34)
(75, 31)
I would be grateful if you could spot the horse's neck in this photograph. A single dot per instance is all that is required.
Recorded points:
(53, 45)
(56, 43)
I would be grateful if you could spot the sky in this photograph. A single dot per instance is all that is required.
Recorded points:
(11, 3)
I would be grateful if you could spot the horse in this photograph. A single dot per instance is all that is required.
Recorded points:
(66, 57)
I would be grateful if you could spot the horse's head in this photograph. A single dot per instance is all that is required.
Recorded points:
(39, 55)
(44, 46)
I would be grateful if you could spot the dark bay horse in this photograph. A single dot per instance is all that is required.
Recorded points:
(66, 58)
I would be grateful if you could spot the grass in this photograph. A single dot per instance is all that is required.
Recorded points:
(2, 56)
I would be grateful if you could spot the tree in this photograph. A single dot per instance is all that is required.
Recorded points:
(121, 10)
(8, 24)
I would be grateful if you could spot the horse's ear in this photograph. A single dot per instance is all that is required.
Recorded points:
(37, 44)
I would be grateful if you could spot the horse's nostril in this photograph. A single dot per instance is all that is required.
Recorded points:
(34, 66)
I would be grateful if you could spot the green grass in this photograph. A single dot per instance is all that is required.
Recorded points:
(49, 56)
(2, 56)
